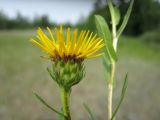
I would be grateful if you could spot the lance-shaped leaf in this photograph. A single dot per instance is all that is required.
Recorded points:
(107, 68)
(110, 54)
(89, 111)
(122, 96)
(103, 29)
(112, 12)
(117, 15)
(104, 32)
(125, 20)
(47, 105)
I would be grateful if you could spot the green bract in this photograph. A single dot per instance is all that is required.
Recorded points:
(67, 74)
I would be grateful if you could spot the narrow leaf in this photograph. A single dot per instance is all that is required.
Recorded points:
(107, 68)
(117, 15)
(103, 29)
(112, 12)
(126, 18)
(110, 53)
(61, 117)
(104, 32)
(44, 103)
(89, 111)
(122, 96)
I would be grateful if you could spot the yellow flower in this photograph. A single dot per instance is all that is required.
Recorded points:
(67, 45)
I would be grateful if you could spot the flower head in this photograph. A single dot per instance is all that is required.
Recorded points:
(69, 45)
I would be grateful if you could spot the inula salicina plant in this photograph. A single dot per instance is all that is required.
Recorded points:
(67, 50)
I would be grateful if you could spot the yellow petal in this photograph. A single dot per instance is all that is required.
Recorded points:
(68, 40)
(83, 42)
(80, 40)
(94, 56)
(50, 32)
(73, 42)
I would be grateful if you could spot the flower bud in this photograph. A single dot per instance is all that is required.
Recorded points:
(67, 73)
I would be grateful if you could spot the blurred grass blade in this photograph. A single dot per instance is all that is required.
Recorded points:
(103, 29)
(122, 96)
(89, 111)
(126, 18)
(44, 103)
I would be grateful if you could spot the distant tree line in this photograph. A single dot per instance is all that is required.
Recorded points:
(145, 17)
(21, 22)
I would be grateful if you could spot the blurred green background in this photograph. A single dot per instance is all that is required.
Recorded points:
(22, 71)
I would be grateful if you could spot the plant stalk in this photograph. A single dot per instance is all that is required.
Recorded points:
(110, 91)
(65, 96)
(113, 65)
(111, 80)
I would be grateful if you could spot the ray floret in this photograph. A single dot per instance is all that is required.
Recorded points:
(61, 45)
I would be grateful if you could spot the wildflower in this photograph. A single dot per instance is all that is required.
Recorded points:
(68, 50)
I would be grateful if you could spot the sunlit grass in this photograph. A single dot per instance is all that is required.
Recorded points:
(136, 46)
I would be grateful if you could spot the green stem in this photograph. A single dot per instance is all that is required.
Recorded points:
(65, 96)
(113, 65)
(110, 91)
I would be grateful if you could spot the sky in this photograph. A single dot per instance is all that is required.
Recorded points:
(59, 11)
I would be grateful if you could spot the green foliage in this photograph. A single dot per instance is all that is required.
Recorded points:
(104, 32)
(42, 21)
(110, 56)
(103, 29)
(122, 96)
(60, 117)
(21, 22)
(145, 16)
(47, 105)
(125, 20)
(117, 15)
(107, 68)
(91, 117)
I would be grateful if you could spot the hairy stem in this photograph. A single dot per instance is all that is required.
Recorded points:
(65, 96)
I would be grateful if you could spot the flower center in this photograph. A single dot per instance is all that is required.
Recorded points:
(67, 58)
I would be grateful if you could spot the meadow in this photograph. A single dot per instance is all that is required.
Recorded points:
(22, 71)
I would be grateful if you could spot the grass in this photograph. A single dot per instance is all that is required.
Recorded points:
(22, 71)
(139, 48)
